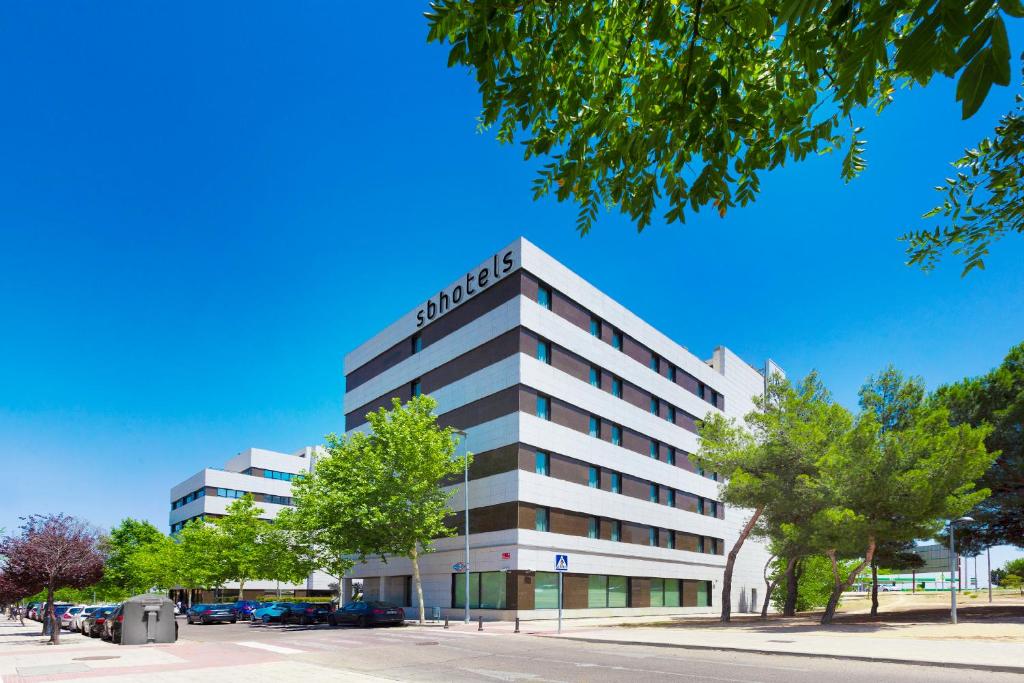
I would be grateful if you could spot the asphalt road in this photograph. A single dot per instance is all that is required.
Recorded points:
(432, 654)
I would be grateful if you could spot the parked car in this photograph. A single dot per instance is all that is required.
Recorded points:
(78, 623)
(306, 613)
(68, 617)
(365, 614)
(210, 613)
(111, 629)
(245, 608)
(94, 625)
(32, 610)
(270, 611)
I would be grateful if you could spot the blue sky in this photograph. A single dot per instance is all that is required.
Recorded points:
(203, 208)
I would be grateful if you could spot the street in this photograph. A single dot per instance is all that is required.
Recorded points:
(431, 653)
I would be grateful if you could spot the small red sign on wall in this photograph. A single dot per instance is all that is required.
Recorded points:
(506, 556)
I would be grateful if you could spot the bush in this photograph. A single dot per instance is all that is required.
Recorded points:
(814, 585)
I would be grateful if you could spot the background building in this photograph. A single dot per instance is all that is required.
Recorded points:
(267, 475)
(581, 418)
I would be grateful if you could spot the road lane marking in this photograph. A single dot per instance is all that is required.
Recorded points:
(270, 648)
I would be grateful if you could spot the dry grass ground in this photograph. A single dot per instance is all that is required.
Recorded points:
(922, 615)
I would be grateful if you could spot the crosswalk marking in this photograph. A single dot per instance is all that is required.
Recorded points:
(270, 648)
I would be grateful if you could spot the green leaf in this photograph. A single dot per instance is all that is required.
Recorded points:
(974, 83)
(1012, 7)
(1000, 53)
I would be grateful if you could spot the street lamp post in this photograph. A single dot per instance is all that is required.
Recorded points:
(954, 565)
(988, 555)
(465, 518)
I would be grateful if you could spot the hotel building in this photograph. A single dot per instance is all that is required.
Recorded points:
(268, 476)
(582, 419)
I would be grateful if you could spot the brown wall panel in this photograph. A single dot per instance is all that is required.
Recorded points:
(527, 515)
(574, 591)
(569, 469)
(635, 350)
(488, 353)
(469, 310)
(572, 365)
(568, 309)
(639, 592)
(504, 402)
(484, 519)
(524, 589)
(567, 522)
(689, 593)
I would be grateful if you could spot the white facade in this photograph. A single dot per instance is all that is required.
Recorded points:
(526, 549)
(265, 474)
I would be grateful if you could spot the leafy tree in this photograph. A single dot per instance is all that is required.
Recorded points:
(1013, 581)
(200, 556)
(996, 399)
(687, 102)
(282, 557)
(157, 564)
(120, 545)
(52, 552)
(767, 460)
(892, 556)
(894, 401)
(894, 485)
(984, 200)
(1014, 567)
(238, 542)
(380, 493)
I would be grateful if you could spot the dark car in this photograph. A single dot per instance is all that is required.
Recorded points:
(245, 608)
(306, 613)
(365, 614)
(111, 628)
(210, 614)
(97, 620)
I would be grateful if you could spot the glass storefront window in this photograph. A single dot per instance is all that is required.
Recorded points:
(486, 590)
(545, 590)
(460, 590)
(618, 591)
(703, 594)
(672, 593)
(657, 592)
(597, 591)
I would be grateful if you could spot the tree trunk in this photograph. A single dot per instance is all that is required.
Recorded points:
(279, 589)
(419, 583)
(730, 562)
(792, 584)
(51, 617)
(770, 585)
(840, 585)
(241, 589)
(768, 598)
(874, 589)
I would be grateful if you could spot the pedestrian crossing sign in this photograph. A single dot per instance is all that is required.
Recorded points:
(561, 563)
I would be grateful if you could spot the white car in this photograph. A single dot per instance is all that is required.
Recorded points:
(67, 619)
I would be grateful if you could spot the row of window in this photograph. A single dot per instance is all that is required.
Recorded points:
(273, 474)
(596, 430)
(230, 493)
(595, 475)
(185, 500)
(178, 526)
(488, 590)
(544, 298)
(705, 544)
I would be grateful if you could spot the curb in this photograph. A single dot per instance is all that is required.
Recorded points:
(856, 658)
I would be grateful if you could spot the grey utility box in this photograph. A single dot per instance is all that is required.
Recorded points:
(148, 619)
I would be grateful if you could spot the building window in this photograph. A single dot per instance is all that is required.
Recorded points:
(486, 590)
(545, 590)
(230, 493)
(616, 340)
(714, 398)
(278, 500)
(283, 476)
(595, 426)
(616, 530)
(542, 463)
(671, 540)
(655, 405)
(415, 389)
(595, 376)
(652, 537)
(700, 544)
(542, 520)
(671, 373)
(670, 456)
(595, 327)
(417, 343)
(593, 528)
(703, 594)
(670, 498)
(653, 449)
(607, 591)
(670, 414)
(544, 351)
(714, 508)
(616, 482)
(544, 296)
(700, 506)
(655, 363)
(544, 407)
(616, 435)
(700, 389)
(700, 471)
(652, 493)
(616, 387)
(714, 476)
(594, 477)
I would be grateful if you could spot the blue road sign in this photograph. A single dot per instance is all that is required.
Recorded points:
(561, 563)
